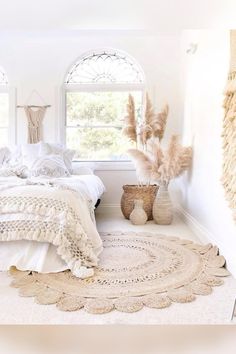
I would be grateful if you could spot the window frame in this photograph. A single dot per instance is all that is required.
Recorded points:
(102, 87)
(11, 91)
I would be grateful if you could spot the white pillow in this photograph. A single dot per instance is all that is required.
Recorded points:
(58, 149)
(30, 153)
(19, 171)
(49, 166)
(15, 158)
(68, 155)
(6, 172)
(4, 155)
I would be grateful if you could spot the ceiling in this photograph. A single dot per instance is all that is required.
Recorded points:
(152, 16)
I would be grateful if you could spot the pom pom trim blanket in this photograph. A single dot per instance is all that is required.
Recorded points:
(46, 211)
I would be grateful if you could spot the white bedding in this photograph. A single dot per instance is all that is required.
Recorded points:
(42, 256)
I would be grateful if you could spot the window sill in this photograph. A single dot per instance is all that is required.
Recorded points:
(106, 165)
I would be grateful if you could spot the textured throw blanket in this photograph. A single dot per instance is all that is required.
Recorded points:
(49, 212)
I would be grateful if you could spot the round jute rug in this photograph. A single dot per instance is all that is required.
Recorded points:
(135, 270)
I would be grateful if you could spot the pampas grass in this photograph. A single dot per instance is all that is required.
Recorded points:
(146, 128)
(143, 165)
(153, 126)
(155, 164)
(172, 161)
(159, 123)
(162, 166)
(130, 128)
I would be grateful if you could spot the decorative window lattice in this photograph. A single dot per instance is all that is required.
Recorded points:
(105, 67)
(3, 77)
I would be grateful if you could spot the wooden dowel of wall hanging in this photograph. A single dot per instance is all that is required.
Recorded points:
(33, 106)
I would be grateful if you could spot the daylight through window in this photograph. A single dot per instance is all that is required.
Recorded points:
(97, 89)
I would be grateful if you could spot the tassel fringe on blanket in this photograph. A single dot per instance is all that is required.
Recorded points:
(36, 216)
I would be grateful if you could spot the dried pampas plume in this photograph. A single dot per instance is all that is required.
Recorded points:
(130, 129)
(157, 165)
(143, 165)
(146, 128)
(159, 122)
(170, 166)
(176, 160)
(155, 152)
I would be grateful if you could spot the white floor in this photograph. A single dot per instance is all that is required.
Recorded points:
(213, 309)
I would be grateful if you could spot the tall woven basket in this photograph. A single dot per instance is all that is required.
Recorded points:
(132, 192)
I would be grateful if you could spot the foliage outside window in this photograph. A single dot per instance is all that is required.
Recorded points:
(97, 89)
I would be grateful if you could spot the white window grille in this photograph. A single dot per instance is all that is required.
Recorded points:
(96, 93)
(105, 66)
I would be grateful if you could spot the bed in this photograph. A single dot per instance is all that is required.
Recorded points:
(36, 250)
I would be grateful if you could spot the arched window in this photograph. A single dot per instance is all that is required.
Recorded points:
(97, 87)
(4, 108)
(105, 67)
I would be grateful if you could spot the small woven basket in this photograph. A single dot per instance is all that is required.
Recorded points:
(132, 192)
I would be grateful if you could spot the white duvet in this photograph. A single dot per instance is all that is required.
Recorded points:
(42, 256)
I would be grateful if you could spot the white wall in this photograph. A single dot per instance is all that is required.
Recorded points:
(150, 15)
(201, 193)
(40, 60)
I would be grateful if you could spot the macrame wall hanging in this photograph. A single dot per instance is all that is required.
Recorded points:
(229, 130)
(35, 115)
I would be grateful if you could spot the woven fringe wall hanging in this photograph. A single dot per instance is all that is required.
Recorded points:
(229, 131)
(35, 119)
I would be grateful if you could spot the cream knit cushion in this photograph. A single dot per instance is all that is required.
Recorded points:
(57, 149)
(49, 166)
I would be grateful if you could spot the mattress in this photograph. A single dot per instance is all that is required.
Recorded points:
(41, 256)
